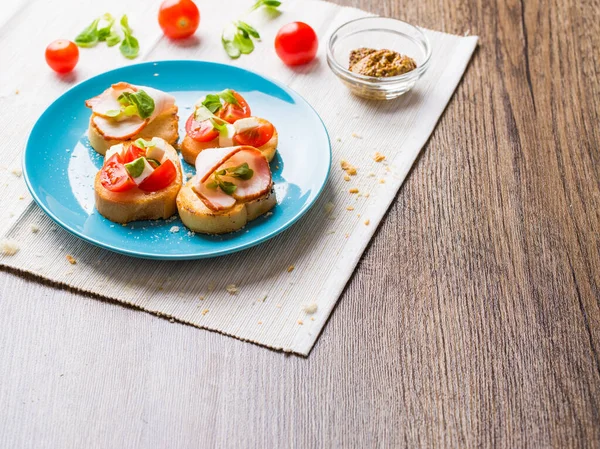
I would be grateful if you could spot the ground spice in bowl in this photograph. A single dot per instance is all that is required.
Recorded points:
(380, 63)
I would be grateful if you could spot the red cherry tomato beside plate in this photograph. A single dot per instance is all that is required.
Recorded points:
(178, 18)
(296, 43)
(62, 55)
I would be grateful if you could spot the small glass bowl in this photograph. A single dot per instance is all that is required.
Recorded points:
(378, 33)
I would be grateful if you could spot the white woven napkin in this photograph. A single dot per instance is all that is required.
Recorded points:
(274, 305)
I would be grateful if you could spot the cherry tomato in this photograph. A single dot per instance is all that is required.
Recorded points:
(203, 131)
(233, 112)
(296, 43)
(62, 55)
(255, 137)
(132, 153)
(178, 18)
(114, 176)
(160, 178)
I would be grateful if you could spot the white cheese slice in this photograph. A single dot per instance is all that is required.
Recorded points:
(156, 152)
(145, 173)
(226, 137)
(115, 149)
(245, 124)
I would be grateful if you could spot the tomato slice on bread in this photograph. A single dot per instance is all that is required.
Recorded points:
(200, 131)
(160, 178)
(132, 153)
(234, 112)
(254, 136)
(114, 176)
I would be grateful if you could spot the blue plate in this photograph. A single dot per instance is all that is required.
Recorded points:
(59, 164)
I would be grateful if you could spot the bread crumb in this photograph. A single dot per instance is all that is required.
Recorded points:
(202, 298)
(347, 235)
(350, 208)
(17, 172)
(260, 322)
(22, 197)
(174, 229)
(9, 247)
(35, 228)
(366, 195)
(204, 312)
(356, 136)
(172, 320)
(278, 306)
(300, 322)
(290, 268)
(367, 222)
(232, 289)
(17, 91)
(378, 157)
(353, 190)
(348, 167)
(346, 178)
(387, 168)
(382, 181)
(71, 259)
(371, 175)
(310, 308)
(312, 318)
(358, 215)
(328, 208)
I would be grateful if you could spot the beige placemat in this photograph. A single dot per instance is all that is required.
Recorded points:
(274, 305)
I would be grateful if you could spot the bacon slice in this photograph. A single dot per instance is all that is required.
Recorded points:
(112, 129)
(215, 159)
(259, 184)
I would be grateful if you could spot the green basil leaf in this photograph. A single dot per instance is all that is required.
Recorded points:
(129, 47)
(219, 126)
(248, 29)
(143, 143)
(105, 31)
(113, 39)
(212, 102)
(271, 3)
(143, 103)
(243, 43)
(232, 50)
(88, 37)
(125, 25)
(228, 187)
(228, 96)
(242, 171)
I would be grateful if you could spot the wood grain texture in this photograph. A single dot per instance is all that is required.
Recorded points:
(472, 321)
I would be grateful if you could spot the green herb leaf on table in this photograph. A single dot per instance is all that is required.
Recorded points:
(237, 36)
(113, 39)
(130, 47)
(107, 20)
(89, 36)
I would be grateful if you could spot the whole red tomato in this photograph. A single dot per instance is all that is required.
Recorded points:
(178, 18)
(296, 43)
(62, 55)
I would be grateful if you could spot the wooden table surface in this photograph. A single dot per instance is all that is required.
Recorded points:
(472, 321)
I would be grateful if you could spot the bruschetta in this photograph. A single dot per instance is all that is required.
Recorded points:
(139, 180)
(223, 120)
(126, 112)
(232, 186)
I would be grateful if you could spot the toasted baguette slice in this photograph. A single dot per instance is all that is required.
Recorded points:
(135, 204)
(190, 148)
(165, 126)
(199, 218)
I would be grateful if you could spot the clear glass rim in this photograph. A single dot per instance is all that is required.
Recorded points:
(373, 80)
